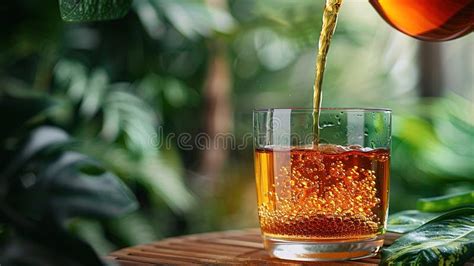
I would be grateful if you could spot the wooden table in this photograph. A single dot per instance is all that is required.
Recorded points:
(228, 247)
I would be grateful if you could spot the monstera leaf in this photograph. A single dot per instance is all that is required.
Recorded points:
(93, 10)
(446, 240)
(67, 182)
(74, 185)
(45, 185)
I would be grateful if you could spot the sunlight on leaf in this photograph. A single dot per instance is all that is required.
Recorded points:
(274, 51)
(71, 75)
(447, 202)
(149, 18)
(194, 18)
(126, 112)
(96, 88)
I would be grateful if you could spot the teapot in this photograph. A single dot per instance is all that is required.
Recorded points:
(428, 20)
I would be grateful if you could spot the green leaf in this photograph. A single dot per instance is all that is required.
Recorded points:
(149, 17)
(125, 113)
(125, 117)
(446, 240)
(96, 88)
(134, 229)
(73, 76)
(160, 174)
(444, 203)
(162, 179)
(39, 140)
(93, 10)
(93, 233)
(69, 183)
(69, 186)
(405, 221)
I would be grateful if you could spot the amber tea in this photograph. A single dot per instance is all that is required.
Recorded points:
(329, 193)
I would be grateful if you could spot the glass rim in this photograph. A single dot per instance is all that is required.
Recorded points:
(344, 109)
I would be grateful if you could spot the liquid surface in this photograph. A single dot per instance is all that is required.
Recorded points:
(331, 11)
(431, 20)
(329, 193)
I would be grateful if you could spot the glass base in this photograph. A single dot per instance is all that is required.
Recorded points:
(323, 251)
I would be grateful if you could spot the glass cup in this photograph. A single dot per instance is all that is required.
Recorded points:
(325, 201)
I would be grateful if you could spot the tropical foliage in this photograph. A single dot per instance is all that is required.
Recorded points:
(46, 185)
(84, 104)
(445, 240)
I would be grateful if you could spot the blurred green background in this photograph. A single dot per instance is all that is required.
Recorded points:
(171, 67)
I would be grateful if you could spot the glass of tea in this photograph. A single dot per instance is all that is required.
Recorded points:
(324, 200)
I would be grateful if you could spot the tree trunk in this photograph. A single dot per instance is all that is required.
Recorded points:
(218, 113)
